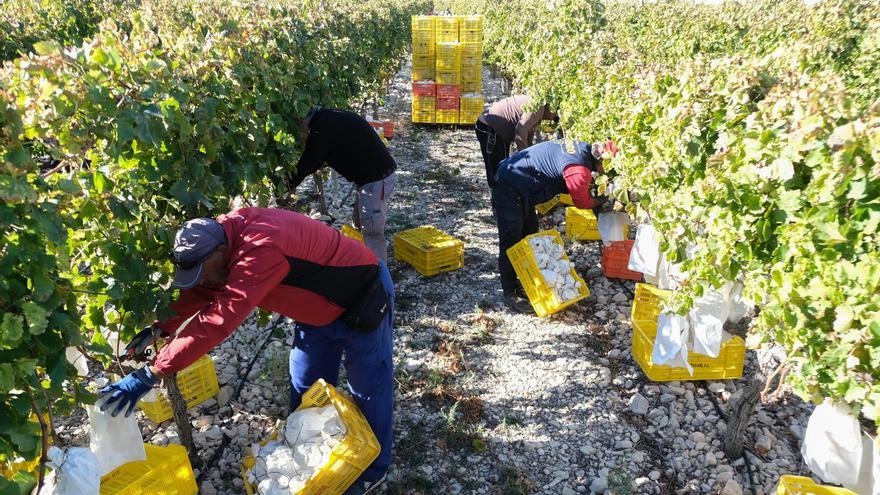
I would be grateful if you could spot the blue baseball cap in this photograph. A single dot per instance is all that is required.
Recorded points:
(193, 244)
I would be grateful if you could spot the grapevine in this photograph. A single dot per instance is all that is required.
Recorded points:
(749, 135)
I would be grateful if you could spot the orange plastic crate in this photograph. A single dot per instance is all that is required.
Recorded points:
(386, 128)
(424, 88)
(447, 104)
(615, 258)
(448, 91)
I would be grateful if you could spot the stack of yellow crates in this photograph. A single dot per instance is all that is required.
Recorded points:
(447, 73)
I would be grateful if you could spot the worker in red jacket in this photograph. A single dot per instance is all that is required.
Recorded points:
(340, 295)
(533, 176)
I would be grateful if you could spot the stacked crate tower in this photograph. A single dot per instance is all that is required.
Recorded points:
(447, 69)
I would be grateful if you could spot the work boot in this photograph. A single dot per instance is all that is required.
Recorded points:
(518, 303)
(364, 487)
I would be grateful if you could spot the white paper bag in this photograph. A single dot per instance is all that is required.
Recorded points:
(671, 338)
(611, 226)
(645, 254)
(707, 319)
(75, 472)
(737, 306)
(832, 446)
(114, 440)
(78, 361)
(868, 480)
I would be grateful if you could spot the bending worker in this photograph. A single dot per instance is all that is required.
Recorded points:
(506, 122)
(534, 176)
(340, 295)
(348, 144)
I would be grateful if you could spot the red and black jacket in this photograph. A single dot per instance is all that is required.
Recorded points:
(277, 260)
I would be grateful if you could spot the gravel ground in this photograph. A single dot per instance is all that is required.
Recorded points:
(490, 402)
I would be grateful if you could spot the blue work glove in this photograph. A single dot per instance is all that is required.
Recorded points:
(127, 392)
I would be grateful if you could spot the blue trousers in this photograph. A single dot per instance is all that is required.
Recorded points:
(317, 353)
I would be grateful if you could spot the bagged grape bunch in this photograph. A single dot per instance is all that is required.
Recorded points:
(555, 268)
(284, 466)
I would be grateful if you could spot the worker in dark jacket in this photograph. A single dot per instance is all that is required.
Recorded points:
(347, 143)
(339, 294)
(504, 123)
(533, 176)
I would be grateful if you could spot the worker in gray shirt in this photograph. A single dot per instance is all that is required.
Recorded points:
(507, 122)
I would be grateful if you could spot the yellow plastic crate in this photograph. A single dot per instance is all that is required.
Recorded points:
(545, 207)
(349, 231)
(446, 23)
(470, 36)
(424, 48)
(471, 49)
(197, 383)
(542, 297)
(647, 302)
(728, 364)
(472, 86)
(423, 61)
(421, 103)
(446, 116)
(423, 73)
(423, 22)
(582, 225)
(424, 37)
(470, 108)
(166, 471)
(423, 67)
(470, 23)
(348, 460)
(452, 77)
(429, 250)
(448, 57)
(423, 116)
(471, 55)
(800, 485)
(471, 74)
(443, 35)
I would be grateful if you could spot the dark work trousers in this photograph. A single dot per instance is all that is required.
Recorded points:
(516, 218)
(317, 353)
(494, 149)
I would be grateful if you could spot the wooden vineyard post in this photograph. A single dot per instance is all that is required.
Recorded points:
(319, 190)
(741, 410)
(181, 418)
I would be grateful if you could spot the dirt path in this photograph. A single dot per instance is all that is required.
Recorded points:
(489, 402)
